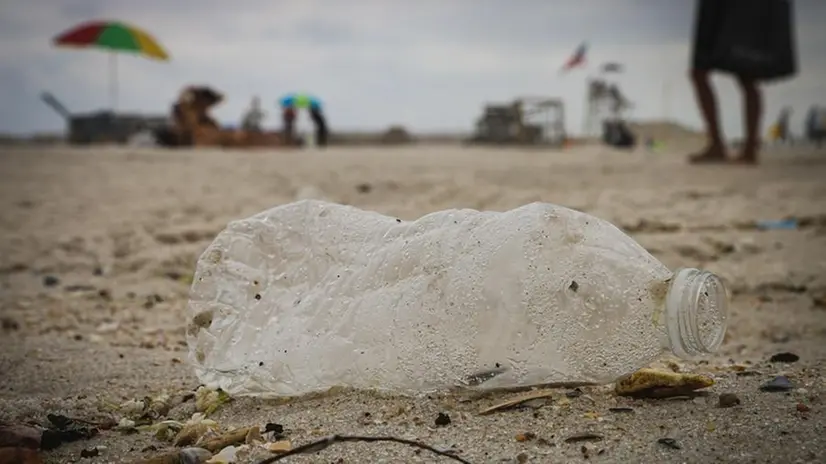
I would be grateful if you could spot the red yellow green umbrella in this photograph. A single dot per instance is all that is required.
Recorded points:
(114, 36)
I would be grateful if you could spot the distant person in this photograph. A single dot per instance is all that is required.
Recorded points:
(779, 131)
(719, 25)
(288, 119)
(253, 117)
(810, 125)
(816, 125)
(783, 134)
(320, 122)
(290, 104)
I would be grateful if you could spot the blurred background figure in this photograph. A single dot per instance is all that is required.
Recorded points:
(779, 132)
(751, 40)
(815, 129)
(253, 117)
(320, 123)
(290, 104)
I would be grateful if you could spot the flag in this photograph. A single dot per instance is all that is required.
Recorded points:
(577, 59)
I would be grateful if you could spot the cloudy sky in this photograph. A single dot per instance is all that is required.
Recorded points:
(428, 64)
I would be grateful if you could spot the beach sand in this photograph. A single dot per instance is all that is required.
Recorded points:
(97, 246)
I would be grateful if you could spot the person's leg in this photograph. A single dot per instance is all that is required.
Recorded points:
(708, 21)
(753, 109)
(715, 151)
(320, 126)
(288, 117)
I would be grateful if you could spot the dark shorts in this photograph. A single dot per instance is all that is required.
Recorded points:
(708, 22)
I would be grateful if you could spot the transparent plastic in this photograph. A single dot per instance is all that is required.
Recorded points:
(312, 295)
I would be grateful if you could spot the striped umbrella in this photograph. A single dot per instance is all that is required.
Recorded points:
(115, 37)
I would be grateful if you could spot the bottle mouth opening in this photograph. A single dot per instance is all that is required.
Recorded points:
(697, 311)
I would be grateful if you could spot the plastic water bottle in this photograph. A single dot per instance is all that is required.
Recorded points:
(311, 295)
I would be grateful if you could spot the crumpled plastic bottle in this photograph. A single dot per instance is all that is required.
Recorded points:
(311, 295)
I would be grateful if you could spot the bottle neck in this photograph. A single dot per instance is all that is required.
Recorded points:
(696, 312)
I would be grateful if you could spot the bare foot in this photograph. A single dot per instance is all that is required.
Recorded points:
(748, 156)
(749, 160)
(712, 154)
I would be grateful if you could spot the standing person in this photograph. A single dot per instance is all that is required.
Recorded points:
(724, 29)
(319, 121)
(288, 120)
(810, 126)
(783, 125)
(291, 103)
(815, 125)
(253, 117)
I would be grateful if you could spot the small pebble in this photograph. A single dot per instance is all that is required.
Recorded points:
(442, 420)
(784, 357)
(522, 457)
(9, 324)
(276, 429)
(669, 443)
(89, 453)
(780, 383)
(527, 436)
(728, 400)
(802, 408)
(575, 393)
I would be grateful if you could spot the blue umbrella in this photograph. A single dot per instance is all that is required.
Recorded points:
(300, 100)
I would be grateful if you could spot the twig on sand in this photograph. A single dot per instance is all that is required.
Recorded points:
(316, 446)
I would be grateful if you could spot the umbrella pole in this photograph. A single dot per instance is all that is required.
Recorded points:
(113, 81)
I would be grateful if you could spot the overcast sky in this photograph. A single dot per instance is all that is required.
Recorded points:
(427, 64)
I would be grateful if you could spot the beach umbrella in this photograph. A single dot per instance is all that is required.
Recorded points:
(299, 101)
(114, 37)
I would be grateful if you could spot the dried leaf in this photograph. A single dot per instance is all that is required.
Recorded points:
(253, 436)
(234, 437)
(164, 433)
(281, 446)
(208, 401)
(134, 408)
(227, 455)
(159, 406)
(125, 425)
(191, 433)
(652, 383)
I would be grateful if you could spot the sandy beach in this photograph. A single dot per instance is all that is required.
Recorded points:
(97, 247)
